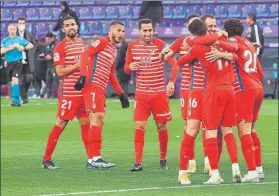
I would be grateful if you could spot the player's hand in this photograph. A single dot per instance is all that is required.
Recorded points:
(256, 45)
(163, 53)
(48, 57)
(124, 101)
(20, 48)
(80, 83)
(12, 47)
(170, 89)
(168, 55)
(213, 55)
(221, 33)
(134, 66)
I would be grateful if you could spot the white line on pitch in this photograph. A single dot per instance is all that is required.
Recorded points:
(154, 188)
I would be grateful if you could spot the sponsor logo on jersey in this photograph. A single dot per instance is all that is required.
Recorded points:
(56, 57)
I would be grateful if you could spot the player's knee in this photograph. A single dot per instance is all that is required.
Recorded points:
(140, 125)
(161, 127)
(210, 134)
(100, 119)
(83, 121)
(61, 123)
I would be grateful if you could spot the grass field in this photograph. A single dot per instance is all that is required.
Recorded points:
(24, 132)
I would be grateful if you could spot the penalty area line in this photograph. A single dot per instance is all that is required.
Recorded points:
(154, 188)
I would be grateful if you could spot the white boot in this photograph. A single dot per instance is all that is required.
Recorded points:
(252, 176)
(236, 173)
(215, 178)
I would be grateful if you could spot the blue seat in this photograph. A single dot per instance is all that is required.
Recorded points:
(138, 2)
(76, 10)
(95, 27)
(127, 2)
(30, 28)
(74, 3)
(221, 11)
(19, 13)
(105, 27)
(132, 24)
(125, 12)
(220, 23)
(51, 25)
(136, 12)
(9, 3)
(177, 23)
(4, 28)
(85, 13)
(42, 28)
(179, 12)
(6, 14)
(248, 9)
(234, 11)
(168, 12)
(114, 2)
(262, 10)
(45, 13)
(101, 2)
(83, 29)
(194, 9)
(32, 14)
(48, 3)
(168, 2)
(112, 12)
(98, 12)
(55, 13)
(22, 3)
(165, 24)
(207, 9)
(274, 10)
(88, 3)
(35, 3)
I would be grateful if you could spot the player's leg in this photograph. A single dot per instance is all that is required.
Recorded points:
(255, 137)
(51, 143)
(163, 140)
(220, 142)
(15, 70)
(228, 121)
(244, 108)
(161, 113)
(142, 110)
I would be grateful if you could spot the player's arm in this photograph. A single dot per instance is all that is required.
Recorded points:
(230, 47)
(24, 45)
(174, 73)
(5, 49)
(205, 39)
(129, 60)
(215, 55)
(115, 84)
(61, 70)
(174, 48)
(188, 58)
(260, 70)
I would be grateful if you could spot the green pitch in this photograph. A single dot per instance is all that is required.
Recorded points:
(24, 132)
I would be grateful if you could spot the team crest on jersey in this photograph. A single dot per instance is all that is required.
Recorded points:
(76, 59)
(56, 57)
(96, 43)
(62, 112)
(189, 111)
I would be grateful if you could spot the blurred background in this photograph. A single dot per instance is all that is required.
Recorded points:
(169, 22)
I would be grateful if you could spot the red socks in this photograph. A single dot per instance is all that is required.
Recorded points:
(212, 150)
(95, 141)
(231, 147)
(219, 143)
(84, 134)
(257, 145)
(187, 143)
(52, 141)
(192, 151)
(248, 151)
(139, 143)
(163, 139)
(204, 143)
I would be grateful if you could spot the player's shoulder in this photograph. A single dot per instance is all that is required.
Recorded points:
(158, 41)
(6, 39)
(233, 39)
(61, 44)
(100, 41)
(132, 43)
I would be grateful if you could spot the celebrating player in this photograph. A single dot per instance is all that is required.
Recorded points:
(97, 69)
(66, 60)
(151, 96)
(249, 97)
(179, 47)
(219, 93)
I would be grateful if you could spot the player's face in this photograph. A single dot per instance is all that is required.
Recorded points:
(70, 28)
(49, 40)
(12, 30)
(146, 32)
(118, 32)
(211, 25)
(248, 21)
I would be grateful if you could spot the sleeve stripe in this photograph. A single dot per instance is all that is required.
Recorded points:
(257, 37)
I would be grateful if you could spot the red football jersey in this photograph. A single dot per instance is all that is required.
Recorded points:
(150, 76)
(68, 53)
(248, 68)
(98, 64)
(216, 73)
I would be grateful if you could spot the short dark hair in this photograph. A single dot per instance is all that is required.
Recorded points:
(21, 18)
(197, 27)
(115, 22)
(205, 16)
(234, 27)
(144, 21)
(253, 17)
(193, 15)
(68, 17)
(50, 34)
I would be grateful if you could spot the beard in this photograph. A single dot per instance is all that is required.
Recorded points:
(114, 38)
(72, 34)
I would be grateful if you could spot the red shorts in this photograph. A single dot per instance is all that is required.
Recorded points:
(70, 107)
(184, 103)
(94, 99)
(157, 103)
(219, 108)
(248, 104)
(194, 110)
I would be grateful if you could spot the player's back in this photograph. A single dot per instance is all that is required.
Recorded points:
(217, 73)
(247, 68)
